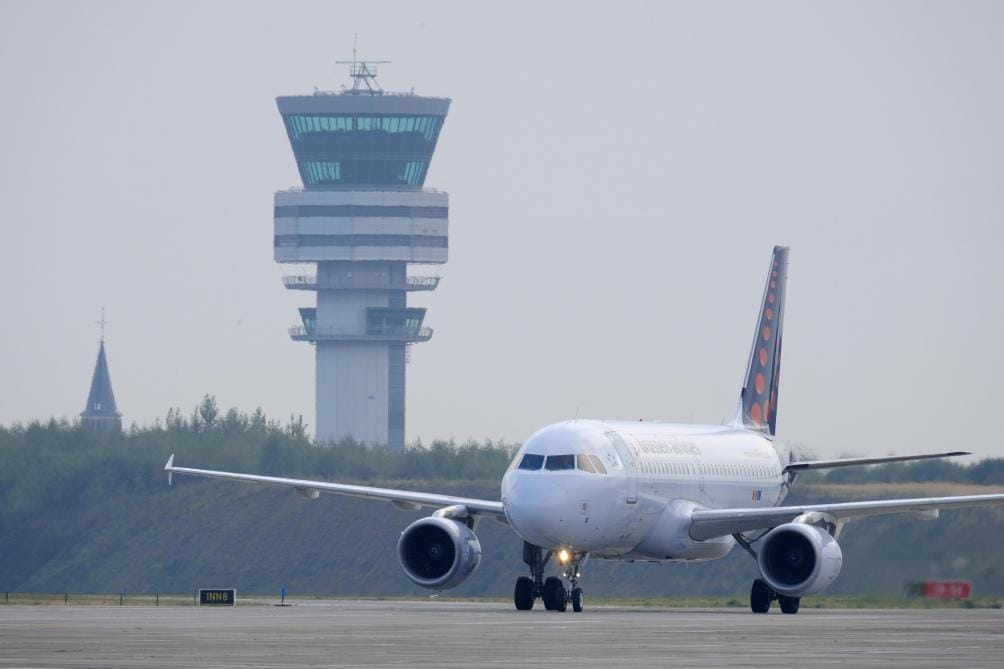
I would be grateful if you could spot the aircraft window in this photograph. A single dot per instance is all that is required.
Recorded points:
(531, 462)
(597, 464)
(584, 463)
(559, 462)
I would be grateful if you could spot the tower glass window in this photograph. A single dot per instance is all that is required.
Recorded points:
(351, 150)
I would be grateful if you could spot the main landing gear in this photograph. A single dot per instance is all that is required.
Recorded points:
(761, 595)
(552, 591)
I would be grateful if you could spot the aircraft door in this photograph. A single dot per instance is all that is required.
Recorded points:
(630, 465)
(702, 491)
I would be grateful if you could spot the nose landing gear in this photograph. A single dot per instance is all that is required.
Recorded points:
(553, 593)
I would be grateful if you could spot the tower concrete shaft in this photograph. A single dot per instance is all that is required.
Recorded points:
(363, 217)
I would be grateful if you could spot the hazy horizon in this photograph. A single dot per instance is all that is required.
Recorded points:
(618, 175)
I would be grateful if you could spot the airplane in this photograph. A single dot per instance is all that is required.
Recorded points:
(646, 491)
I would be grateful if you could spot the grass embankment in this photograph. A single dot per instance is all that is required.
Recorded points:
(877, 602)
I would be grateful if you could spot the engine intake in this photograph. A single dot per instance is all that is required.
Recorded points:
(438, 553)
(797, 559)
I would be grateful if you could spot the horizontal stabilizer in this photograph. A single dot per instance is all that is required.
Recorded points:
(850, 462)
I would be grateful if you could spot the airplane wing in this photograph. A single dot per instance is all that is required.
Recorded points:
(709, 523)
(403, 499)
(850, 462)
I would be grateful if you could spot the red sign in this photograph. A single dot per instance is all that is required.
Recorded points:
(947, 589)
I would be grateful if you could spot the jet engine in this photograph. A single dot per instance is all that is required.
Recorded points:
(438, 553)
(798, 559)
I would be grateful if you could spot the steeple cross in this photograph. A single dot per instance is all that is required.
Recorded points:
(102, 323)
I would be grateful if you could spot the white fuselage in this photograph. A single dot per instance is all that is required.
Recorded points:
(637, 505)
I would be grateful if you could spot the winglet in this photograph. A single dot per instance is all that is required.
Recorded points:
(169, 468)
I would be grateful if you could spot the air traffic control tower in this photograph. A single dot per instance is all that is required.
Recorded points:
(363, 216)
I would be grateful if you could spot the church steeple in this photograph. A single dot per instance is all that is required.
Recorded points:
(101, 412)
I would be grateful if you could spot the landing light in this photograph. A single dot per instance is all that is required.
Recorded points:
(563, 556)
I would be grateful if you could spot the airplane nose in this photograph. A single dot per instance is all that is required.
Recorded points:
(537, 508)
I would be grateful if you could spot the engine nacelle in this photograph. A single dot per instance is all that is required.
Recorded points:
(438, 552)
(797, 559)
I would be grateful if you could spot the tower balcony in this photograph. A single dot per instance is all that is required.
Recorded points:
(311, 282)
(401, 335)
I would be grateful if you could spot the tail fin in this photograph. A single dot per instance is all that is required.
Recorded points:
(758, 398)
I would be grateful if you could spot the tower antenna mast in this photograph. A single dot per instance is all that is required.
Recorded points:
(363, 72)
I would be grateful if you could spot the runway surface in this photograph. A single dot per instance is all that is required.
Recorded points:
(448, 634)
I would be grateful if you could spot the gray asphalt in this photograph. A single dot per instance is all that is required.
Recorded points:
(448, 634)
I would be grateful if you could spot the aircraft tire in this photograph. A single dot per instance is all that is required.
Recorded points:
(523, 594)
(577, 600)
(760, 596)
(789, 604)
(560, 599)
(551, 586)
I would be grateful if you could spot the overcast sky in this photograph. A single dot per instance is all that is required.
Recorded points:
(618, 174)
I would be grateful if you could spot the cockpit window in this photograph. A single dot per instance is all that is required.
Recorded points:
(559, 462)
(531, 461)
(597, 463)
(588, 462)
